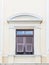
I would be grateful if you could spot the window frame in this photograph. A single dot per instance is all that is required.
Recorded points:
(25, 36)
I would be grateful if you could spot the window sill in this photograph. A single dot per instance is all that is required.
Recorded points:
(25, 55)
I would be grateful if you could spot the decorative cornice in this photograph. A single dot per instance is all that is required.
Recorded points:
(25, 18)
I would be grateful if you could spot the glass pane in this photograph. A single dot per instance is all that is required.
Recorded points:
(20, 32)
(29, 32)
(19, 40)
(29, 40)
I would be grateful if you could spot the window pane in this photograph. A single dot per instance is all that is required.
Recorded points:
(20, 48)
(20, 32)
(24, 32)
(29, 32)
(28, 49)
(19, 40)
(29, 40)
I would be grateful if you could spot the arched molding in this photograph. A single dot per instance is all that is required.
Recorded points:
(25, 17)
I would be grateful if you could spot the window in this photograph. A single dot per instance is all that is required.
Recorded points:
(25, 41)
(20, 32)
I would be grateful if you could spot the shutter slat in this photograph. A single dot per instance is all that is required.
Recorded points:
(29, 44)
(20, 47)
(28, 48)
(29, 40)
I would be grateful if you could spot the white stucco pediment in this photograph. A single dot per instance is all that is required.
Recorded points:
(25, 18)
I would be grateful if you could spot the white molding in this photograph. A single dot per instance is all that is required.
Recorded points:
(47, 27)
(34, 18)
(13, 26)
(12, 29)
(29, 14)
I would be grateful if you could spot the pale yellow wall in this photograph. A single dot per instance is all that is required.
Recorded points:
(32, 6)
(10, 50)
(11, 7)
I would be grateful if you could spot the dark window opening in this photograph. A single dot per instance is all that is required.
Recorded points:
(24, 41)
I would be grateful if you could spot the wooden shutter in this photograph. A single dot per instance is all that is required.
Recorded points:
(20, 48)
(29, 44)
(24, 41)
(19, 45)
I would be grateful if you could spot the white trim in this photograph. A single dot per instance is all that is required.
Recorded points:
(22, 55)
(13, 26)
(47, 27)
(37, 27)
(32, 62)
(30, 14)
(35, 52)
(13, 18)
(26, 62)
